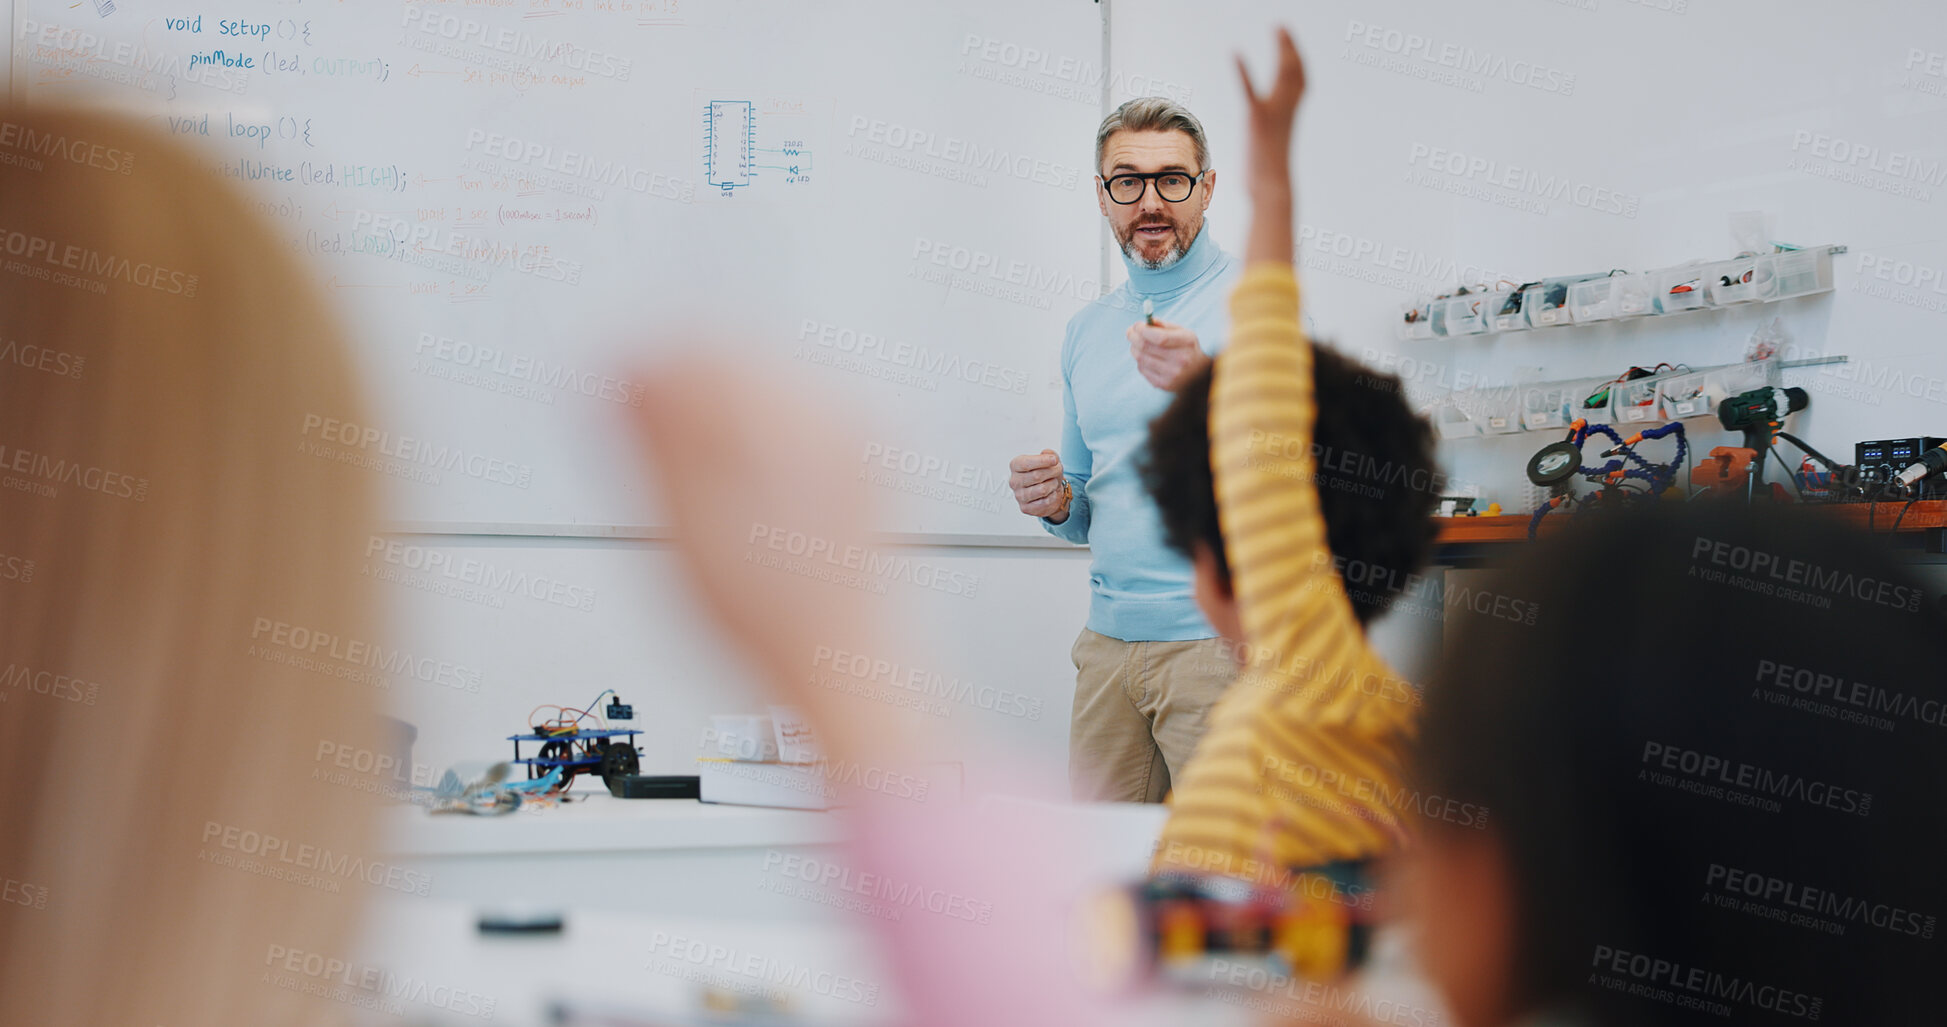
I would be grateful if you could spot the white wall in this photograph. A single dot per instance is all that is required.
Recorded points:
(1683, 110)
(642, 638)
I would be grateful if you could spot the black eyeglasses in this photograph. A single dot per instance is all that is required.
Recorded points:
(1174, 186)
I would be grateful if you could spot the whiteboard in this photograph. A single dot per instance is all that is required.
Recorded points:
(519, 204)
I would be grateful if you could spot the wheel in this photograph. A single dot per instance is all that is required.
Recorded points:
(552, 751)
(619, 760)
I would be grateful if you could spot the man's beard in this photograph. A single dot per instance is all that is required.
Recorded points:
(1174, 253)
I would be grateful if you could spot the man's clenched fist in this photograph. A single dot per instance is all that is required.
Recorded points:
(1039, 488)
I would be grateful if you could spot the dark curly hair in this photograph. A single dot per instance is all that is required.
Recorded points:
(1377, 479)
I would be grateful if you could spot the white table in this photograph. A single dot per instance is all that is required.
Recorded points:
(665, 856)
(631, 877)
(437, 968)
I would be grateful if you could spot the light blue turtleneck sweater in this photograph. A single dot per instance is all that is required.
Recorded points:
(1140, 587)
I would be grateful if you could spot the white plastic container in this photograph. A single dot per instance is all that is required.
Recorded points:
(1548, 303)
(1496, 411)
(1737, 378)
(1635, 402)
(1800, 273)
(1688, 395)
(1681, 288)
(1501, 422)
(1459, 315)
(1452, 421)
(1420, 325)
(1506, 310)
(1698, 393)
(1598, 414)
(1612, 296)
(1544, 406)
(1739, 281)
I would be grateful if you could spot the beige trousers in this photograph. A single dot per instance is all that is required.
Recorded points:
(1139, 712)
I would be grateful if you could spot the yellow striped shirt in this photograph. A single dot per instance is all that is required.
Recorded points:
(1302, 761)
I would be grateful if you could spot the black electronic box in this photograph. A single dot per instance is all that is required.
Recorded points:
(1881, 462)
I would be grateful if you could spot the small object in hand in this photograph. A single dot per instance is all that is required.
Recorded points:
(1149, 310)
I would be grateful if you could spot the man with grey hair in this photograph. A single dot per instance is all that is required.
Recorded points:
(1147, 666)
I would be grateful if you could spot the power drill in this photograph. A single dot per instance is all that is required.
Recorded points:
(1756, 414)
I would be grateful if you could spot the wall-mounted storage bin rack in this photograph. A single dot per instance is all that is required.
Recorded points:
(1639, 402)
(1578, 299)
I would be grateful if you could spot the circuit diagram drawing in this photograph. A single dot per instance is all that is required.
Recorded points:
(731, 157)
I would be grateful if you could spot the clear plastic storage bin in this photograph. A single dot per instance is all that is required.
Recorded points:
(1459, 315)
(1548, 303)
(1688, 395)
(1415, 320)
(1698, 393)
(1451, 421)
(1799, 273)
(1496, 410)
(1755, 374)
(1506, 311)
(1503, 422)
(1739, 281)
(1613, 296)
(1598, 414)
(1544, 407)
(1635, 402)
(1681, 288)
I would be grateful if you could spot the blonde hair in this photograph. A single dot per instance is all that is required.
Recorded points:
(159, 348)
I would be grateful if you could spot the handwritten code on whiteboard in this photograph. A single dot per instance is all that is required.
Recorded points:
(518, 204)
